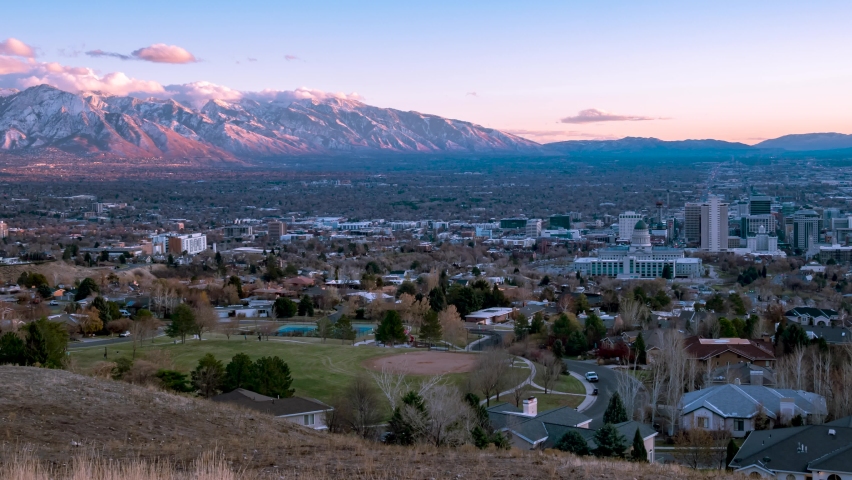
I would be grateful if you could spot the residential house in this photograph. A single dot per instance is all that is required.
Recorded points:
(626, 429)
(489, 316)
(733, 408)
(832, 334)
(812, 316)
(529, 429)
(817, 452)
(717, 352)
(743, 374)
(302, 411)
(299, 283)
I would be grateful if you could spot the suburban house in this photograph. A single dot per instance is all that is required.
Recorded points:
(733, 408)
(812, 316)
(743, 374)
(817, 452)
(626, 429)
(719, 352)
(530, 429)
(832, 334)
(489, 316)
(302, 411)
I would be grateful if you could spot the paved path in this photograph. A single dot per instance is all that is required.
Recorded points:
(607, 385)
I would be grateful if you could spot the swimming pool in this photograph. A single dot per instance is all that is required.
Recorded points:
(307, 329)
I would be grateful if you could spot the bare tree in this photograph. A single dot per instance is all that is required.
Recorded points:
(489, 371)
(231, 326)
(358, 410)
(452, 326)
(450, 419)
(206, 319)
(519, 377)
(628, 388)
(552, 369)
(393, 385)
(632, 311)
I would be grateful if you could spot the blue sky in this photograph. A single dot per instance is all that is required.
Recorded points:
(732, 70)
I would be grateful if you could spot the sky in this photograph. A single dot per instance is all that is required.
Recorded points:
(548, 71)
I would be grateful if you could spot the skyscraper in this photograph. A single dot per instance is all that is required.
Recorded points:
(626, 222)
(760, 205)
(533, 229)
(805, 229)
(714, 225)
(692, 223)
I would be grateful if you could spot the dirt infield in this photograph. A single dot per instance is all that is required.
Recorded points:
(424, 363)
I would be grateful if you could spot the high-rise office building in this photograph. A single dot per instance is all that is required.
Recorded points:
(760, 205)
(560, 221)
(714, 225)
(626, 222)
(805, 229)
(276, 229)
(4, 230)
(692, 223)
(533, 229)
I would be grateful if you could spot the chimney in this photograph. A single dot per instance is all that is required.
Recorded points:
(756, 377)
(531, 407)
(737, 381)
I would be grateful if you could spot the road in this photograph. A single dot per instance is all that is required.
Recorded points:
(606, 387)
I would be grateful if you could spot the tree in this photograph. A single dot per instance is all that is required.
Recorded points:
(183, 323)
(238, 373)
(615, 412)
(667, 272)
(437, 299)
(610, 442)
(553, 367)
(431, 331)
(639, 453)
(581, 304)
(358, 409)
(343, 329)
(573, 442)
(236, 283)
(285, 308)
(324, 328)
(306, 307)
(558, 349)
(271, 377)
(390, 330)
(537, 324)
(594, 329)
(640, 350)
(408, 420)
(208, 376)
(206, 319)
(12, 349)
(406, 287)
(174, 380)
(522, 327)
(45, 343)
(716, 303)
(87, 287)
(732, 449)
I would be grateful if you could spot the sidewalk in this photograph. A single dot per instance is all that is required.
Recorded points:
(590, 399)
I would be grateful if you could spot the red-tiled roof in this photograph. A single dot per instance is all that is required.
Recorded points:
(752, 350)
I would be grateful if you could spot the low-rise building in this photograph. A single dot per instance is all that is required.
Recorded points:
(192, 244)
(307, 412)
(812, 316)
(720, 352)
(489, 316)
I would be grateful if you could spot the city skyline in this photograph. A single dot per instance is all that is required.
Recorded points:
(548, 72)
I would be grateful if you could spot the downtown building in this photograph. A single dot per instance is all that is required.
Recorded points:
(191, 243)
(639, 259)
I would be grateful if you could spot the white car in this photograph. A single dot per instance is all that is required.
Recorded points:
(53, 303)
(591, 377)
(125, 334)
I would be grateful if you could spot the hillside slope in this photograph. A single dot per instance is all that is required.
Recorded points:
(49, 411)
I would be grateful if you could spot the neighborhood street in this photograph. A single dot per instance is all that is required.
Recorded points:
(606, 387)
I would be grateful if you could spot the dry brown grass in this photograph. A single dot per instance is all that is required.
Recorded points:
(45, 414)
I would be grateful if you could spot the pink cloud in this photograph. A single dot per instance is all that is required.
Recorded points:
(593, 115)
(290, 58)
(13, 46)
(10, 65)
(162, 53)
(471, 94)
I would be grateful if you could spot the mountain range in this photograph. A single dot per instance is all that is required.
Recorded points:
(44, 117)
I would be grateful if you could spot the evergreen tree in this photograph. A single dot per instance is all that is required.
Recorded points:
(573, 442)
(390, 330)
(581, 303)
(174, 380)
(732, 448)
(641, 350)
(431, 330)
(437, 299)
(403, 425)
(237, 283)
(271, 377)
(639, 453)
(615, 412)
(12, 350)
(343, 329)
(45, 343)
(667, 272)
(576, 343)
(208, 376)
(522, 327)
(594, 329)
(610, 442)
(306, 307)
(285, 308)
(324, 328)
(238, 373)
(183, 323)
(87, 287)
(558, 349)
(537, 325)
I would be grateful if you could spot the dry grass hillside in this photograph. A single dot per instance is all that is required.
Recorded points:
(64, 273)
(56, 418)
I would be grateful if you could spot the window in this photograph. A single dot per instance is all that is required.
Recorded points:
(739, 425)
(790, 476)
(703, 422)
(309, 419)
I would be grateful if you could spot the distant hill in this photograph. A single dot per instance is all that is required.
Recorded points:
(639, 146)
(809, 142)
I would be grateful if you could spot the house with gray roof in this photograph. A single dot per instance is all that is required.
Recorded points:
(818, 452)
(733, 408)
(743, 374)
(626, 429)
(530, 429)
(832, 334)
(308, 412)
(812, 316)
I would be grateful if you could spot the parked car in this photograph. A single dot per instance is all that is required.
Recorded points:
(53, 303)
(125, 334)
(591, 377)
(124, 313)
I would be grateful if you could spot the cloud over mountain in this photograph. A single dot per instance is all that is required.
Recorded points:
(157, 53)
(13, 46)
(593, 115)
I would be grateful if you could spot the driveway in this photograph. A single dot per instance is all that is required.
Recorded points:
(607, 385)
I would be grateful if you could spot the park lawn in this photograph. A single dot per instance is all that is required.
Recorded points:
(565, 383)
(319, 370)
(547, 402)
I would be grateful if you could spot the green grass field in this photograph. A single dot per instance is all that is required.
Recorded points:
(547, 402)
(565, 383)
(319, 370)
